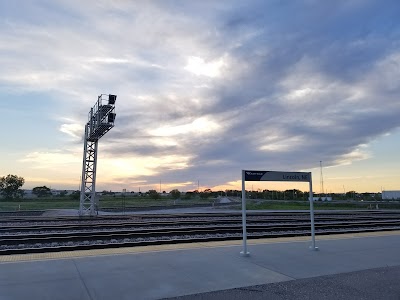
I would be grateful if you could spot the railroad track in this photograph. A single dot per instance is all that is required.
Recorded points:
(35, 219)
(64, 234)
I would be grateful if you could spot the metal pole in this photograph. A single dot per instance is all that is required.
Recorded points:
(244, 252)
(312, 247)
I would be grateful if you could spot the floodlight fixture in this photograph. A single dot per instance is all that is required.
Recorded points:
(101, 119)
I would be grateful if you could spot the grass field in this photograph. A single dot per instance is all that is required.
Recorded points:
(123, 203)
(118, 203)
(320, 205)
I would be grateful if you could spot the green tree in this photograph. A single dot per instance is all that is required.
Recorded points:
(63, 193)
(75, 195)
(206, 193)
(41, 191)
(175, 194)
(189, 195)
(10, 186)
(351, 195)
(153, 194)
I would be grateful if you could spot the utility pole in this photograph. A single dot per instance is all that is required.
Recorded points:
(321, 179)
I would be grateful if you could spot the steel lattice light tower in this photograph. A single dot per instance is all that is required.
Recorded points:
(100, 120)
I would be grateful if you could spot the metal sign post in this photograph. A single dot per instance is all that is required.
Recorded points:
(244, 252)
(275, 176)
(312, 247)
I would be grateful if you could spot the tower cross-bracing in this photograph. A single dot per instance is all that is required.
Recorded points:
(100, 120)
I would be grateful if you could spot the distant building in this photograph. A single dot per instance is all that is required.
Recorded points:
(390, 195)
(60, 192)
(29, 194)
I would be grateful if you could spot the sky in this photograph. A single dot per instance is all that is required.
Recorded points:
(204, 90)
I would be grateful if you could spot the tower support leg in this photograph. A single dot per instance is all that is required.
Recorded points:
(88, 187)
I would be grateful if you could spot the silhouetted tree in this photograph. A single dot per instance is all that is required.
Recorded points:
(206, 194)
(63, 193)
(153, 194)
(75, 195)
(175, 194)
(41, 191)
(189, 195)
(351, 194)
(10, 186)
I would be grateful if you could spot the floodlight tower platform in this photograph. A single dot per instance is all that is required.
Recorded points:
(100, 120)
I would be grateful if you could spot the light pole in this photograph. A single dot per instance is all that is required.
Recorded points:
(100, 120)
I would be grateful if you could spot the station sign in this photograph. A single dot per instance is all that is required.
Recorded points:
(276, 176)
(251, 175)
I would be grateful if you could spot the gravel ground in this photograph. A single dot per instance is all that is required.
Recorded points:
(75, 212)
(382, 283)
(60, 213)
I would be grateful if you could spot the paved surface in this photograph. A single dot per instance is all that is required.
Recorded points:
(382, 283)
(178, 270)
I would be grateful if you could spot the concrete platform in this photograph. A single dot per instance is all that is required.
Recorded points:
(381, 283)
(177, 270)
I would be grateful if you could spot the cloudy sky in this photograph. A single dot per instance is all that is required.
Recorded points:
(205, 89)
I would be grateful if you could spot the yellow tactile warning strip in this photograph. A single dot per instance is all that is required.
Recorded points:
(144, 249)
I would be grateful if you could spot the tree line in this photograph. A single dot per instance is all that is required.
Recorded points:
(10, 188)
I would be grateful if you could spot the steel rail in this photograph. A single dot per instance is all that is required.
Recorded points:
(26, 230)
(28, 219)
